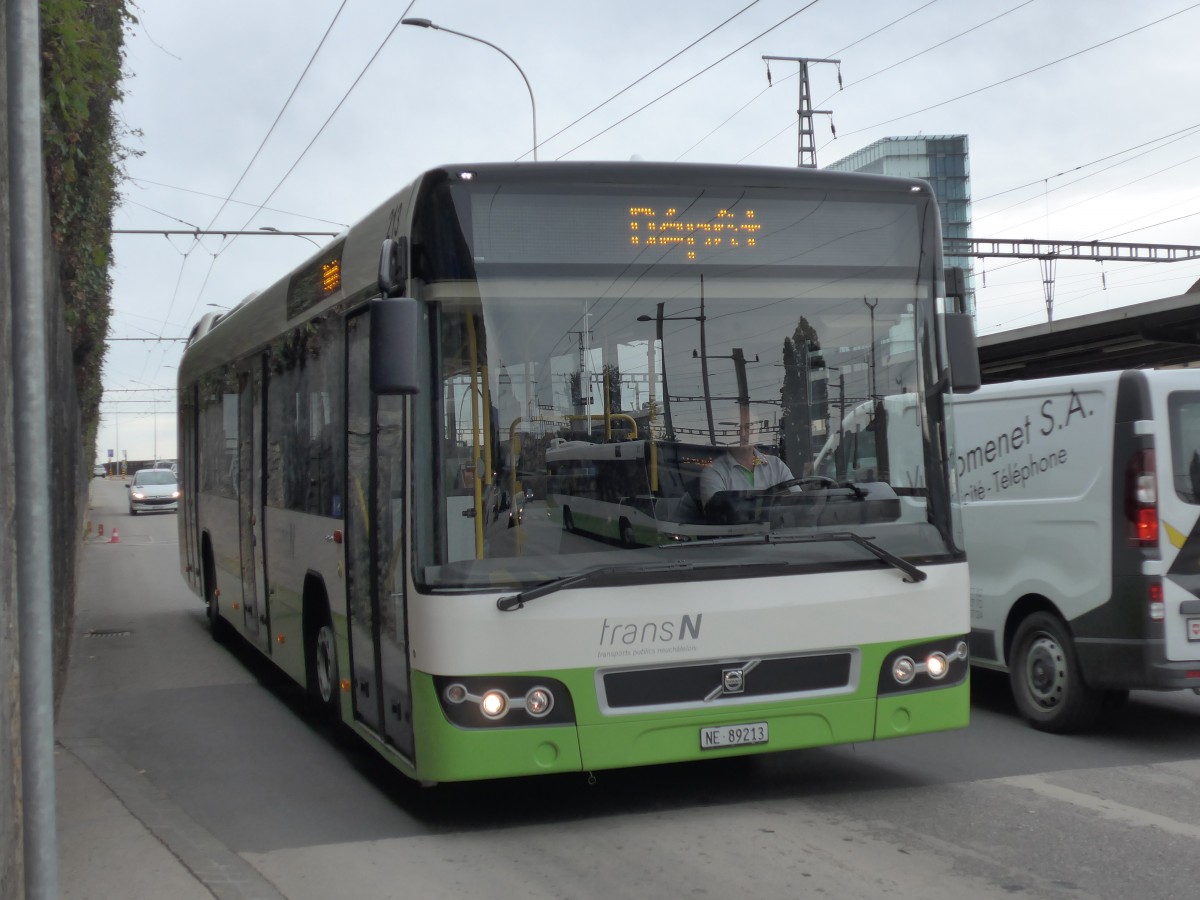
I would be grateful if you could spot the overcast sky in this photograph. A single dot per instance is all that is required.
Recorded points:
(1081, 116)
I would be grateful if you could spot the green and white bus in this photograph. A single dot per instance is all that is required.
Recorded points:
(366, 448)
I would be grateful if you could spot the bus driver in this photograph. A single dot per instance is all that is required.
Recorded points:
(741, 468)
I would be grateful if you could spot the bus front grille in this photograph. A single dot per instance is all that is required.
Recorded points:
(727, 681)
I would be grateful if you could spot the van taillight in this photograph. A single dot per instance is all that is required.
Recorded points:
(1154, 597)
(1141, 499)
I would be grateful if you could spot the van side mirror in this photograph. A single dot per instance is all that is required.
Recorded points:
(394, 327)
(965, 374)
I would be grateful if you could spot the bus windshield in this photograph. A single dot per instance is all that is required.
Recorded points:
(645, 371)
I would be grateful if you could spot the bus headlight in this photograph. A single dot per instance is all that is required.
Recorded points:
(937, 665)
(933, 664)
(538, 702)
(494, 704)
(504, 701)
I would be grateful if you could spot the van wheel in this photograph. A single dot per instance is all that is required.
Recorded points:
(1046, 683)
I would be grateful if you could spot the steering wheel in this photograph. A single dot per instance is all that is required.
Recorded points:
(818, 480)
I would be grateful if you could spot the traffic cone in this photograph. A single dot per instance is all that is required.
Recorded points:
(101, 529)
(116, 538)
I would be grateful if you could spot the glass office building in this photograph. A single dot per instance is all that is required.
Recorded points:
(940, 160)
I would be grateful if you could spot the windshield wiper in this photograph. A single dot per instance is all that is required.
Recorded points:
(519, 599)
(914, 574)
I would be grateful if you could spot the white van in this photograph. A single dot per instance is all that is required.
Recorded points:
(1081, 496)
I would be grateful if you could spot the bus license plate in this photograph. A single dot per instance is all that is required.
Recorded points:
(733, 735)
(1193, 629)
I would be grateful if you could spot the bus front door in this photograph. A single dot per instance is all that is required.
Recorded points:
(390, 577)
(250, 507)
(375, 473)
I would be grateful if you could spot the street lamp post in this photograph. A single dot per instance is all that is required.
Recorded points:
(271, 230)
(425, 23)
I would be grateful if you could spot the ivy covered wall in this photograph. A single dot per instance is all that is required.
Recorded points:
(82, 61)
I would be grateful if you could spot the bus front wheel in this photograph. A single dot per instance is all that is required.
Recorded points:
(1047, 685)
(628, 539)
(217, 627)
(324, 688)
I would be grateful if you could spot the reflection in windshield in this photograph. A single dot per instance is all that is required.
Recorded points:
(154, 476)
(591, 409)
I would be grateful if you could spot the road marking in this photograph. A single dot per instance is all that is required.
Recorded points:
(1108, 809)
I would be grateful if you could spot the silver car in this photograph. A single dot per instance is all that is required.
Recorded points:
(153, 489)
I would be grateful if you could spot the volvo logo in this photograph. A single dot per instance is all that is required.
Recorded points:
(733, 680)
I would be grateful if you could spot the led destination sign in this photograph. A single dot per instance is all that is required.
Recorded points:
(735, 229)
(595, 228)
(726, 229)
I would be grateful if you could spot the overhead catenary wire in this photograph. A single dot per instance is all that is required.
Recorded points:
(1097, 196)
(692, 78)
(282, 212)
(260, 206)
(851, 84)
(936, 46)
(1049, 190)
(286, 103)
(1181, 131)
(1031, 71)
(241, 178)
(787, 128)
(642, 78)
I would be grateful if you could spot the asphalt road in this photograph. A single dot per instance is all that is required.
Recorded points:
(218, 757)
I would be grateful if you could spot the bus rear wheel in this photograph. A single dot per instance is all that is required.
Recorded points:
(1047, 685)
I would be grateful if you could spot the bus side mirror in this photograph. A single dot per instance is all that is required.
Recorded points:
(965, 375)
(956, 288)
(394, 328)
(391, 266)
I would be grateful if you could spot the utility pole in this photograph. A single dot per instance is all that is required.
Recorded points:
(806, 148)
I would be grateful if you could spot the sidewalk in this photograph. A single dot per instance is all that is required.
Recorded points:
(104, 851)
(120, 835)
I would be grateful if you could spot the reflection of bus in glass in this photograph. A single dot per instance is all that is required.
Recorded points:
(637, 493)
(378, 486)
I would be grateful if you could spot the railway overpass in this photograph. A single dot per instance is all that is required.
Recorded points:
(1157, 333)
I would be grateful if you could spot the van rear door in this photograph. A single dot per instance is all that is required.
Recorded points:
(1177, 412)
